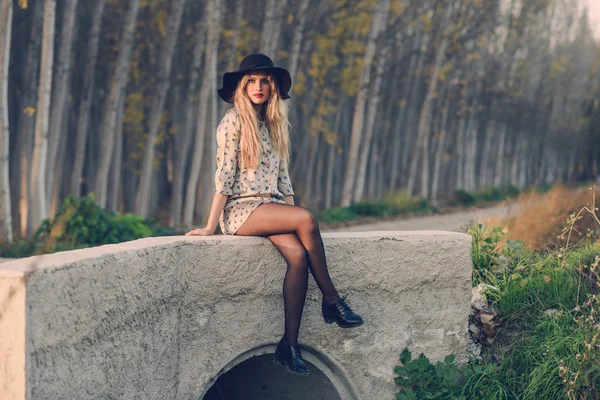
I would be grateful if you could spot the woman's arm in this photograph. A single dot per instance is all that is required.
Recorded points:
(213, 219)
(228, 134)
(289, 199)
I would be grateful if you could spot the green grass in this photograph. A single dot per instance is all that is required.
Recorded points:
(549, 354)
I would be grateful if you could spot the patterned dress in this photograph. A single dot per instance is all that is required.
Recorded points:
(247, 188)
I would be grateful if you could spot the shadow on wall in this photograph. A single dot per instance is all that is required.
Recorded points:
(254, 376)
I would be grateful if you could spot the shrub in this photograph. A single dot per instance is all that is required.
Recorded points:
(404, 202)
(336, 214)
(380, 209)
(80, 222)
(462, 198)
(420, 379)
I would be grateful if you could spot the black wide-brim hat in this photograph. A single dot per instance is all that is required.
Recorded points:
(255, 62)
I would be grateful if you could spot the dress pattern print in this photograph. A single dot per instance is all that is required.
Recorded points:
(247, 188)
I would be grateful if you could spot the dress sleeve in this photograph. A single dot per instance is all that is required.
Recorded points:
(284, 185)
(228, 141)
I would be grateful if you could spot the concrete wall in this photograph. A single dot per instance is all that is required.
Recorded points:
(161, 318)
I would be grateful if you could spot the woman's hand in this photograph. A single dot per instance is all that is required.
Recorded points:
(206, 231)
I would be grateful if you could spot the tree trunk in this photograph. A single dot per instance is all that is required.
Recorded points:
(271, 26)
(89, 82)
(116, 165)
(361, 99)
(20, 176)
(56, 194)
(237, 24)
(298, 36)
(6, 230)
(39, 210)
(114, 100)
(331, 164)
(59, 94)
(501, 154)
(441, 151)
(424, 129)
(183, 140)
(372, 108)
(412, 101)
(164, 73)
(203, 137)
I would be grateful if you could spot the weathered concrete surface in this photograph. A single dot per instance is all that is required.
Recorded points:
(158, 318)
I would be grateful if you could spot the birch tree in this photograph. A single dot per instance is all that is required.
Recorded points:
(89, 83)
(204, 131)
(114, 100)
(372, 108)
(39, 210)
(6, 230)
(424, 129)
(20, 173)
(183, 140)
(298, 37)
(59, 93)
(164, 73)
(361, 98)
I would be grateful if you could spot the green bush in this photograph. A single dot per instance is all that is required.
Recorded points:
(380, 209)
(420, 379)
(79, 223)
(404, 202)
(462, 198)
(336, 214)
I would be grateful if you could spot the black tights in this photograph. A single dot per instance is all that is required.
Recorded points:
(295, 232)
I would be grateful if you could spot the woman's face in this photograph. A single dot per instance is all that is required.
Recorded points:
(258, 88)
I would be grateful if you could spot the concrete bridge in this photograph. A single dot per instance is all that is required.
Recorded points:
(197, 318)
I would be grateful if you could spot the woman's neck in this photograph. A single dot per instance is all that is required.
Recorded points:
(259, 108)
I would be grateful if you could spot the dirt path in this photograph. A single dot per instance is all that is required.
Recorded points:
(459, 221)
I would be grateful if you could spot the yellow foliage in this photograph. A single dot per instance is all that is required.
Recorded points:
(299, 86)
(227, 33)
(161, 22)
(331, 138)
(398, 7)
(351, 76)
(133, 115)
(427, 22)
(558, 66)
(29, 111)
(445, 69)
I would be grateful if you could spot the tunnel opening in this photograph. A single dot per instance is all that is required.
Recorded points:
(259, 378)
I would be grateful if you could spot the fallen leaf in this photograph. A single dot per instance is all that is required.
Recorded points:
(486, 318)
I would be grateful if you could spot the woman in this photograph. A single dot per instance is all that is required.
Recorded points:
(254, 195)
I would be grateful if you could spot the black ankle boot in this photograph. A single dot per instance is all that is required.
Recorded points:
(291, 357)
(341, 314)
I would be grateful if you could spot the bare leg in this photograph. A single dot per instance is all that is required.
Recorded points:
(276, 219)
(294, 283)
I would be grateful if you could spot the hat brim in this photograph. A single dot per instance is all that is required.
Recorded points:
(231, 79)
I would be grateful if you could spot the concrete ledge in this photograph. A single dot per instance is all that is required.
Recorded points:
(160, 318)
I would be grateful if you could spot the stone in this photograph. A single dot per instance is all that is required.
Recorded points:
(164, 317)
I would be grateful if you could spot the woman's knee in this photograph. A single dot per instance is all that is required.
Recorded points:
(309, 221)
(297, 258)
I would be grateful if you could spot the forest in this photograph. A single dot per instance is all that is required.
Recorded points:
(119, 98)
